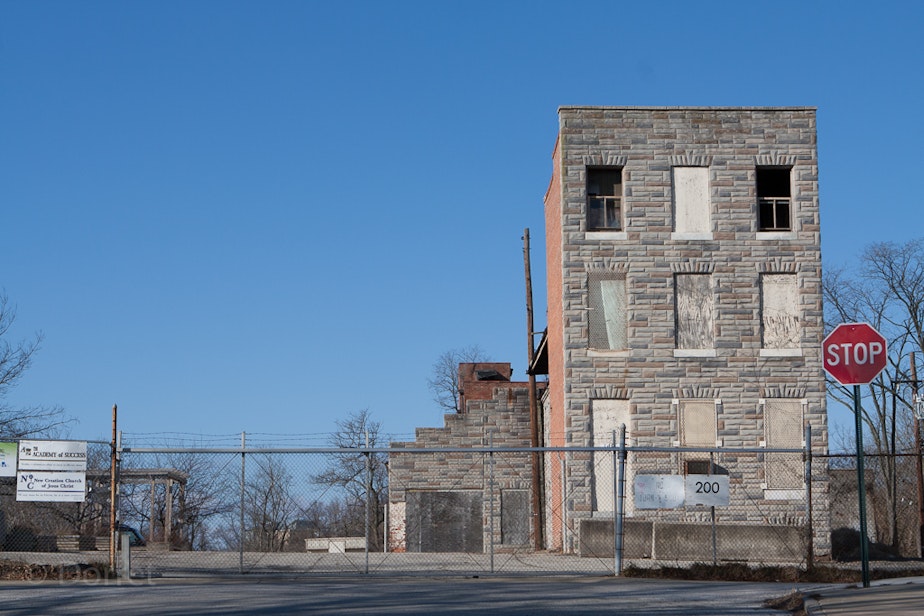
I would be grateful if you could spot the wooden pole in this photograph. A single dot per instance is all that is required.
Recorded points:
(918, 461)
(168, 513)
(535, 428)
(113, 490)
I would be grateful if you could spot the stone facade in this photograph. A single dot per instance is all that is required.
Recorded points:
(738, 363)
(442, 500)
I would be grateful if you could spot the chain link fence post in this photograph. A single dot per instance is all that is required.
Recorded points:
(243, 488)
(809, 534)
(368, 499)
(715, 554)
(491, 497)
(620, 504)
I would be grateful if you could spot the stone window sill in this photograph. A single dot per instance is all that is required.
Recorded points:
(776, 235)
(781, 352)
(616, 236)
(694, 353)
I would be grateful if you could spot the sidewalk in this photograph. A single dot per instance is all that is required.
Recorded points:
(894, 597)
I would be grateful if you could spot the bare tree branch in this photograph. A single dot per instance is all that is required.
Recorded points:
(15, 359)
(444, 382)
(359, 474)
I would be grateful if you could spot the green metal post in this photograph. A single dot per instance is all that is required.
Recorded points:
(861, 488)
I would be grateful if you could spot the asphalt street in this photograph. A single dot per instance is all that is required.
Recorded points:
(349, 597)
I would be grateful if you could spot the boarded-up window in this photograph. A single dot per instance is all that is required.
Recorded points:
(607, 417)
(780, 311)
(515, 509)
(450, 521)
(697, 428)
(697, 423)
(783, 430)
(691, 200)
(694, 311)
(607, 311)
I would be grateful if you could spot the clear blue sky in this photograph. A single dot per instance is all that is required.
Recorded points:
(263, 216)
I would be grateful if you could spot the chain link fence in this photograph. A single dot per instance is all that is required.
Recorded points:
(212, 509)
(894, 508)
(456, 510)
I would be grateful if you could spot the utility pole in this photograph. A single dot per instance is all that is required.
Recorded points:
(113, 490)
(919, 416)
(534, 424)
(917, 407)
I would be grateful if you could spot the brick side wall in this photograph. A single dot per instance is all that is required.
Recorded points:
(555, 398)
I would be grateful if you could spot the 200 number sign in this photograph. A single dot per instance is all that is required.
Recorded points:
(708, 490)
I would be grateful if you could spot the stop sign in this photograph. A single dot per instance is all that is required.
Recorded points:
(854, 353)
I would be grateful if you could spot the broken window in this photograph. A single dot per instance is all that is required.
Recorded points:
(691, 200)
(604, 199)
(783, 430)
(779, 311)
(773, 199)
(694, 307)
(607, 320)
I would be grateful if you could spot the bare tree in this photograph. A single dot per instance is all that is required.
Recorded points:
(444, 381)
(362, 476)
(195, 506)
(886, 291)
(269, 506)
(15, 359)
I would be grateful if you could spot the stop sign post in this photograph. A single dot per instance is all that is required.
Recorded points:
(855, 354)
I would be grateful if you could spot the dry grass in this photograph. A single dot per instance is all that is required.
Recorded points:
(794, 603)
(19, 571)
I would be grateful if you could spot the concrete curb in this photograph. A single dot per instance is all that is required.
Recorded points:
(849, 597)
(813, 607)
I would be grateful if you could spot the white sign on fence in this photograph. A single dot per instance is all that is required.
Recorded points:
(7, 459)
(52, 455)
(673, 491)
(658, 491)
(708, 490)
(68, 487)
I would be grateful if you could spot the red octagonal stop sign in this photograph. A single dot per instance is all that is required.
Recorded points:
(854, 353)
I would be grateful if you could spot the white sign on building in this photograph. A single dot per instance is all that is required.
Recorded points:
(55, 486)
(53, 455)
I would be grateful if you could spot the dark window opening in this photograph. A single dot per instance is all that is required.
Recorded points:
(773, 199)
(604, 199)
(703, 467)
(698, 467)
